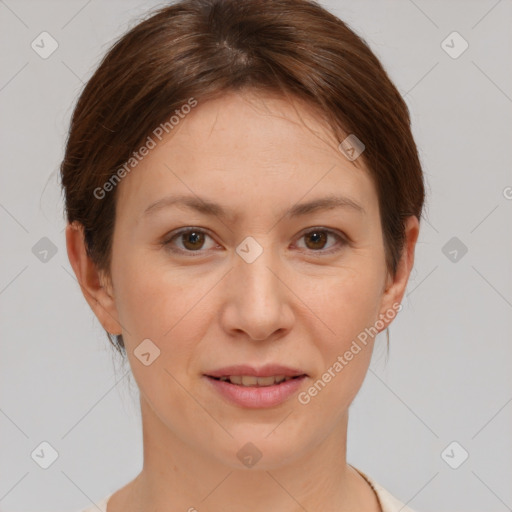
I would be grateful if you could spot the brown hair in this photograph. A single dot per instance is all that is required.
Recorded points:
(203, 48)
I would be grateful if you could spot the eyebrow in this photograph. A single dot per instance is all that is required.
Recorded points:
(208, 207)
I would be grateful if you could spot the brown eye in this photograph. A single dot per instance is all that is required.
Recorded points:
(192, 240)
(188, 240)
(316, 240)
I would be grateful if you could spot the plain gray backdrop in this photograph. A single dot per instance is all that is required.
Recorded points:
(444, 394)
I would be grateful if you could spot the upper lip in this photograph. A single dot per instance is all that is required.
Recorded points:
(268, 370)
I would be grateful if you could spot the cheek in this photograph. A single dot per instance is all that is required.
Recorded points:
(347, 306)
(141, 304)
(347, 302)
(165, 304)
(164, 307)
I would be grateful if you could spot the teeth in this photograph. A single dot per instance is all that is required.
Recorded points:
(249, 380)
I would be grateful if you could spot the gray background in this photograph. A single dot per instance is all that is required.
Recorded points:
(449, 375)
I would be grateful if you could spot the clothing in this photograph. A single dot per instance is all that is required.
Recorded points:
(387, 501)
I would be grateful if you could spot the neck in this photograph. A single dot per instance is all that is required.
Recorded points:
(180, 476)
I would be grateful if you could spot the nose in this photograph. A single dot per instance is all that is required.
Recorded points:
(257, 298)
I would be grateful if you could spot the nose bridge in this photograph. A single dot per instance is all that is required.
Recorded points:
(256, 293)
(255, 268)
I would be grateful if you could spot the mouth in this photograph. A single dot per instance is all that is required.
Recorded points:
(256, 387)
(250, 391)
(252, 381)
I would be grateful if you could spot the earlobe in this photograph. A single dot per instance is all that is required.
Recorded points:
(95, 286)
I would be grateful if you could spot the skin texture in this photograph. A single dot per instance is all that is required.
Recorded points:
(296, 304)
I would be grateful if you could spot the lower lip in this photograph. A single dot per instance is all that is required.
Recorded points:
(257, 397)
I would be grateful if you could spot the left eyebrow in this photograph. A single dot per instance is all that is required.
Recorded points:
(208, 207)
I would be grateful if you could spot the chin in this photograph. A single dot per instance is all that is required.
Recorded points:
(260, 451)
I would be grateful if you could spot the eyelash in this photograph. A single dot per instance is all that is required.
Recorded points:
(342, 241)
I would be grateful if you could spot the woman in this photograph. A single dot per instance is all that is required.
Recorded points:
(243, 196)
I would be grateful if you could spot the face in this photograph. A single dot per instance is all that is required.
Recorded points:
(254, 280)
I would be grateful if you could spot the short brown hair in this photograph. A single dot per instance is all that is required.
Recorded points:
(204, 48)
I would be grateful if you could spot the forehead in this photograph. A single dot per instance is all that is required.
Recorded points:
(242, 146)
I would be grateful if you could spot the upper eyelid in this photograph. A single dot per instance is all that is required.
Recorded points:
(339, 235)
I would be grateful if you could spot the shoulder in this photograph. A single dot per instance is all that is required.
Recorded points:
(387, 501)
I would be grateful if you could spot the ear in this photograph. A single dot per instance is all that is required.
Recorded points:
(96, 287)
(394, 288)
